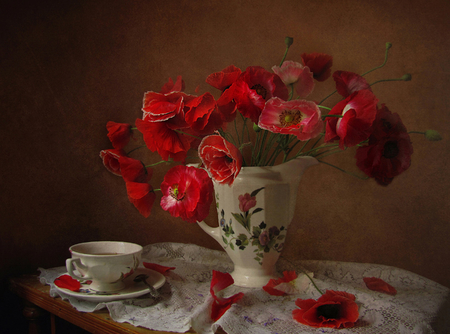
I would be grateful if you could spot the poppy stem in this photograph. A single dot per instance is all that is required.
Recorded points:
(343, 170)
(388, 46)
(136, 148)
(323, 107)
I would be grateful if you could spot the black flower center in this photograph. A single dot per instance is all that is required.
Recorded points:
(390, 150)
(329, 311)
(260, 90)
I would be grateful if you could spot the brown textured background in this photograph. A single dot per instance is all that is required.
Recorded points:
(67, 67)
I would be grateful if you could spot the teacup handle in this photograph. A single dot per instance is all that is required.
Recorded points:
(70, 267)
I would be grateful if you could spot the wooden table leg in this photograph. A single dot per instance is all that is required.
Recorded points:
(34, 315)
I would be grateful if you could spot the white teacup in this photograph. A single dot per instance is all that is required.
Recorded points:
(106, 263)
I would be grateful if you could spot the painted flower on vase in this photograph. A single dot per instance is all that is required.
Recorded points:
(297, 117)
(246, 202)
(187, 193)
(334, 309)
(222, 159)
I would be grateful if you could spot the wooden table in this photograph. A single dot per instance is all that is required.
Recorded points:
(36, 296)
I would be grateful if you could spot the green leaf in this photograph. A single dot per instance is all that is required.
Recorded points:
(225, 241)
(231, 246)
(255, 192)
(257, 210)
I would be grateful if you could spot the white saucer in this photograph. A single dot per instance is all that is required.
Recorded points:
(131, 290)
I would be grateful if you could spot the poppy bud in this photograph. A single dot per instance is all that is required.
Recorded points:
(433, 135)
(288, 41)
(407, 77)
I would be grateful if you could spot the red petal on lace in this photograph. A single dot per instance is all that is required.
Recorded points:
(157, 267)
(377, 284)
(220, 305)
(67, 282)
(270, 287)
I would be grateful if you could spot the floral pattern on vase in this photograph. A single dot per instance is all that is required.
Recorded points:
(263, 238)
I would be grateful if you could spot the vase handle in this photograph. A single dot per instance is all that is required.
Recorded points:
(214, 232)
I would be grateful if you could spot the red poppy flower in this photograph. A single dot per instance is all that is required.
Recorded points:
(170, 86)
(187, 193)
(349, 82)
(136, 177)
(319, 63)
(297, 117)
(119, 134)
(254, 87)
(221, 158)
(110, 160)
(220, 305)
(202, 115)
(157, 267)
(271, 287)
(358, 112)
(377, 284)
(67, 282)
(223, 81)
(334, 309)
(225, 78)
(295, 73)
(160, 137)
(389, 150)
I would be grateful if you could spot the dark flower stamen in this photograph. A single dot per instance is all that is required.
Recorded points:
(390, 150)
(260, 90)
(329, 311)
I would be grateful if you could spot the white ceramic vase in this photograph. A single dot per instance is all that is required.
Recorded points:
(254, 215)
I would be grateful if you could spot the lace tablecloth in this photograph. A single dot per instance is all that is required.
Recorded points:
(185, 297)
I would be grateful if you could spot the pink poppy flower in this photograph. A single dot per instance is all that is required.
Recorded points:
(334, 309)
(349, 82)
(295, 73)
(319, 63)
(220, 305)
(110, 160)
(157, 267)
(377, 284)
(297, 117)
(358, 114)
(246, 202)
(136, 177)
(388, 152)
(221, 158)
(67, 282)
(119, 134)
(254, 87)
(187, 193)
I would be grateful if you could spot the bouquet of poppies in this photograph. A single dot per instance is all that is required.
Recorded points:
(259, 118)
